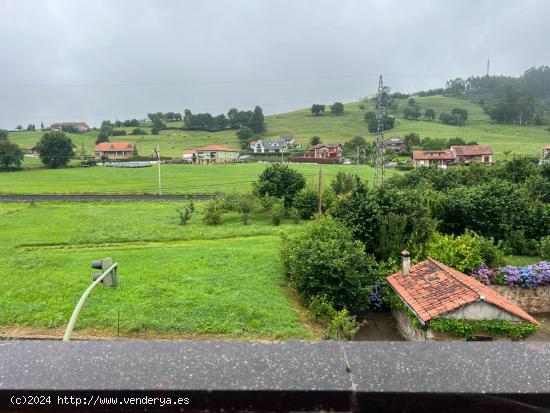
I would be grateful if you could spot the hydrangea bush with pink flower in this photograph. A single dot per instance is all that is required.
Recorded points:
(530, 276)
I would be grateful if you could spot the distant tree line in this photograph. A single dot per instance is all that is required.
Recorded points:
(337, 109)
(523, 100)
(235, 119)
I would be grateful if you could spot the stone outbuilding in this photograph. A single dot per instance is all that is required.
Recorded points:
(431, 290)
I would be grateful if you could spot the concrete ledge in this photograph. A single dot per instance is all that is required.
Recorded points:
(282, 376)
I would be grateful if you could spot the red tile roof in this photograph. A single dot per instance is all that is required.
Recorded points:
(433, 289)
(325, 145)
(439, 154)
(114, 146)
(216, 148)
(547, 147)
(189, 152)
(472, 150)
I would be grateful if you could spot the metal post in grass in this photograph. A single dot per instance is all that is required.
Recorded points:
(108, 277)
(158, 165)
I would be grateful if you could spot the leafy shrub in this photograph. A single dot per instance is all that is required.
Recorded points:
(267, 202)
(213, 213)
(462, 252)
(343, 183)
(294, 215)
(245, 205)
(324, 260)
(306, 203)
(343, 326)
(321, 307)
(277, 212)
(185, 213)
(118, 132)
(519, 244)
(545, 247)
(280, 181)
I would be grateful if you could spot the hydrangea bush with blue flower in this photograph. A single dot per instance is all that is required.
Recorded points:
(527, 277)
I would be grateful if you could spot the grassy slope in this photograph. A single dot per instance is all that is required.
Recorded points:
(177, 179)
(332, 129)
(171, 280)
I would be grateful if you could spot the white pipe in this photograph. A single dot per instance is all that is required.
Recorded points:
(78, 307)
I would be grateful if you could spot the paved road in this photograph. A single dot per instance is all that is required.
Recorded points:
(99, 197)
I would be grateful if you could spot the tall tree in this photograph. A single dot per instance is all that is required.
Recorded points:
(315, 140)
(337, 108)
(257, 121)
(245, 135)
(317, 110)
(55, 149)
(429, 114)
(11, 155)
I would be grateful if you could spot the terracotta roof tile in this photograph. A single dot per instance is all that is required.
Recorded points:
(472, 150)
(451, 291)
(439, 154)
(114, 146)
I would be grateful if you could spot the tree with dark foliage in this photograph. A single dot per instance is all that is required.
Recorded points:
(55, 149)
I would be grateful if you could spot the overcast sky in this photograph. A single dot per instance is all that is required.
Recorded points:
(106, 59)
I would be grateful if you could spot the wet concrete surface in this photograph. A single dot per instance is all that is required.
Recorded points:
(381, 326)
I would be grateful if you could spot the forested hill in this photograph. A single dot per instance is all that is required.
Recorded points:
(523, 100)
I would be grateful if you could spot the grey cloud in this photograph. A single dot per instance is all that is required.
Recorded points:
(121, 42)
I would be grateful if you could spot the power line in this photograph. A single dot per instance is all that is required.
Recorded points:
(219, 81)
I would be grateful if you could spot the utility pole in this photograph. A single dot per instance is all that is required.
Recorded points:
(320, 189)
(379, 165)
(158, 167)
(357, 160)
(488, 63)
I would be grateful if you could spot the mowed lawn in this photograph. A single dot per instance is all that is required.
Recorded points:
(176, 179)
(196, 280)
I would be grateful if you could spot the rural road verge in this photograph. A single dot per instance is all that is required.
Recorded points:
(100, 197)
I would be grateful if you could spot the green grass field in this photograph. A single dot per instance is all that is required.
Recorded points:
(174, 280)
(176, 179)
(337, 129)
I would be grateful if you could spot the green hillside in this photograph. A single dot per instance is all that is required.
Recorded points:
(332, 129)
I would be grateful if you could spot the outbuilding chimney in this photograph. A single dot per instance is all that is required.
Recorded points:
(405, 262)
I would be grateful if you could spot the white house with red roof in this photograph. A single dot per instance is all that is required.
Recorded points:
(115, 150)
(189, 156)
(216, 154)
(431, 290)
(546, 154)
